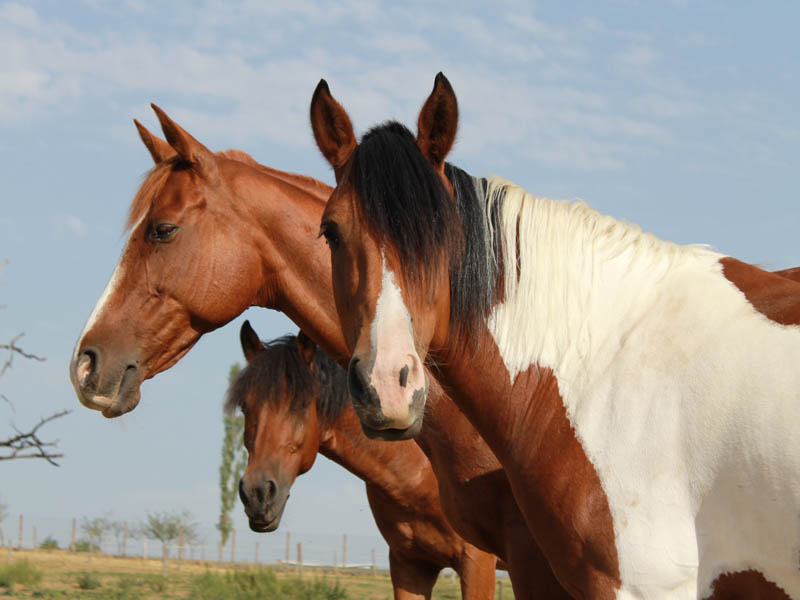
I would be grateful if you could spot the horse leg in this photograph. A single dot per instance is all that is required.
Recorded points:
(531, 575)
(477, 574)
(412, 580)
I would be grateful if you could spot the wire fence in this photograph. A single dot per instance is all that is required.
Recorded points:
(125, 539)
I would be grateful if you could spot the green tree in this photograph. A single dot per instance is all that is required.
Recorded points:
(231, 469)
(167, 527)
(3, 515)
(95, 528)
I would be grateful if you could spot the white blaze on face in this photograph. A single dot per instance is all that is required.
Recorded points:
(397, 371)
(108, 292)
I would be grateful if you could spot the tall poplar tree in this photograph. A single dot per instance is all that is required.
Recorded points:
(234, 461)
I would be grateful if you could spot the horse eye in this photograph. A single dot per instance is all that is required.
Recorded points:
(331, 234)
(162, 232)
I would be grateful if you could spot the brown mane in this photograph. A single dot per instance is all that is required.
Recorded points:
(155, 178)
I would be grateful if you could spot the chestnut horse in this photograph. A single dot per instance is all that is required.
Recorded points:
(641, 396)
(201, 217)
(295, 404)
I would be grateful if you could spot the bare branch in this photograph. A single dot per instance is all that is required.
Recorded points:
(12, 348)
(28, 445)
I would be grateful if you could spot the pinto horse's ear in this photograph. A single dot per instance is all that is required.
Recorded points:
(251, 344)
(438, 122)
(187, 147)
(306, 347)
(332, 128)
(158, 148)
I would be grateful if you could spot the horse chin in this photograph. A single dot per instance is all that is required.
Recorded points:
(127, 398)
(270, 522)
(393, 435)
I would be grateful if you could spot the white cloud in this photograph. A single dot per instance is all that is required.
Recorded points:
(637, 56)
(68, 224)
(523, 80)
(19, 15)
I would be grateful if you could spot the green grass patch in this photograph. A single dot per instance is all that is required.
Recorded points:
(262, 585)
(49, 544)
(88, 581)
(22, 572)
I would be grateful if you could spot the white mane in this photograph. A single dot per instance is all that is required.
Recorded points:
(579, 274)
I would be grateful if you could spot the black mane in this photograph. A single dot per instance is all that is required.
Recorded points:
(403, 201)
(279, 374)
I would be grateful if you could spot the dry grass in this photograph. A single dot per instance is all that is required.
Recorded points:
(138, 579)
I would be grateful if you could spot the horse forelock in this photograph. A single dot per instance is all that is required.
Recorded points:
(278, 374)
(403, 202)
(405, 205)
(151, 187)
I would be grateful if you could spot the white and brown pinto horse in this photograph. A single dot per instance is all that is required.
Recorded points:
(642, 397)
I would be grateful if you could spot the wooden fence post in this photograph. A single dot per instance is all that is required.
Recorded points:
(180, 548)
(344, 550)
(499, 589)
(19, 537)
(374, 566)
(72, 537)
(299, 558)
(286, 563)
(164, 558)
(124, 539)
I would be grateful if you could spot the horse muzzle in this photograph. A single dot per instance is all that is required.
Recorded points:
(113, 391)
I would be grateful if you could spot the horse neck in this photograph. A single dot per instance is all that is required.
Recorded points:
(575, 280)
(398, 469)
(295, 261)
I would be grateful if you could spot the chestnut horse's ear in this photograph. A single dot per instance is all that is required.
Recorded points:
(332, 128)
(159, 149)
(187, 147)
(251, 344)
(438, 122)
(306, 347)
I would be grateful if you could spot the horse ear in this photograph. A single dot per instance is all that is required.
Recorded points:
(332, 128)
(251, 344)
(187, 147)
(158, 148)
(438, 122)
(306, 347)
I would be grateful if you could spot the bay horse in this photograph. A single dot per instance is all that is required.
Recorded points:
(211, 235)
(641, 396)
(295, 403)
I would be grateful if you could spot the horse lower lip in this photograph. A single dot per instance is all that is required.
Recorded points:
(261, 526)
(392, 435)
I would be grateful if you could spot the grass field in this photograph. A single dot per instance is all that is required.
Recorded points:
(71, 575)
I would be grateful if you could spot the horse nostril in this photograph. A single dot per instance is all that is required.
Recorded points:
(404, 376)
(87, 364)
(356, 380)
(266, 492)
(242, 495)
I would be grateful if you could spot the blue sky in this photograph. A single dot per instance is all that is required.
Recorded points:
(681, 116)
